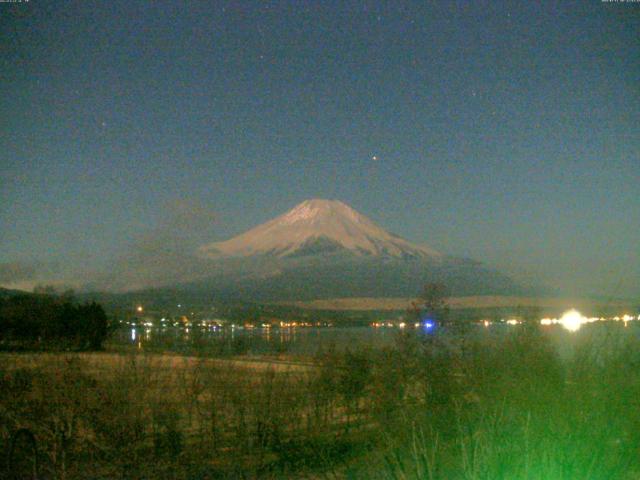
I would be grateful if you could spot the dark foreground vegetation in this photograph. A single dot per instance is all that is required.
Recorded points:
(426, 408)
(48, 321)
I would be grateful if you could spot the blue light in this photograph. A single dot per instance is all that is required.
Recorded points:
(428, 324)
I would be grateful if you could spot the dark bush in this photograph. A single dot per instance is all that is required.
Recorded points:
(38, 321)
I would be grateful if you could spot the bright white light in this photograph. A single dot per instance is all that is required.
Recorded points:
(546, 321)
(572, 320)
(513, 321)
(402, 325)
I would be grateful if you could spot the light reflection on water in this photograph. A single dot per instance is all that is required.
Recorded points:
(305, 340)
(309, 340)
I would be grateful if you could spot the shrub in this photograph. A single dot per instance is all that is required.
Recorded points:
(44, 321)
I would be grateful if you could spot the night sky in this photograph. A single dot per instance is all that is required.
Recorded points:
(508, 132)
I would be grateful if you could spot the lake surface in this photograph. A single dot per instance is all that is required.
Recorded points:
(310, 340)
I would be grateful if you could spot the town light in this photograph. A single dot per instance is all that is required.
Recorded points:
(572, 320)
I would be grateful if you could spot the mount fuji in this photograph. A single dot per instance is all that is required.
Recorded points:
(325, 249)
(314, 227)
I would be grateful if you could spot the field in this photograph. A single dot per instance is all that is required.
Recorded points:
(425, 408)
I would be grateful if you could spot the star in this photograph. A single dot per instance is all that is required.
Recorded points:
(374, 158)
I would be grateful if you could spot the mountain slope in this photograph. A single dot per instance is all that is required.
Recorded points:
(317, 226)
(325, 249)
(342, 276)
(320, 249)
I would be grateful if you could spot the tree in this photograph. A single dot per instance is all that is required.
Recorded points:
(433, 303)
(44, 320)
(353, 378)
(96, 325)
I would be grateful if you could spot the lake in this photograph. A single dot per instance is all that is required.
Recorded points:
(310, 340)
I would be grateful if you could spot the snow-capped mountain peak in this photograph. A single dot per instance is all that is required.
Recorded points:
(317, 225)
(318, 210)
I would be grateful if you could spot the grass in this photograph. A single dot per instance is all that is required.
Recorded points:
(519, 412)
(425, 408)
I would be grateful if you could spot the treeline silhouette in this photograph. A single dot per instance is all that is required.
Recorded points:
(45, 321)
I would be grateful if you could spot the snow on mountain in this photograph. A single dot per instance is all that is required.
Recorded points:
(317, 226)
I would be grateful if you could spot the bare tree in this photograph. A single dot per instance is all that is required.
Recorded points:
(434, 302)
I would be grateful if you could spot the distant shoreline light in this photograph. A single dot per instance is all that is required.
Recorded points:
(572, 320)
